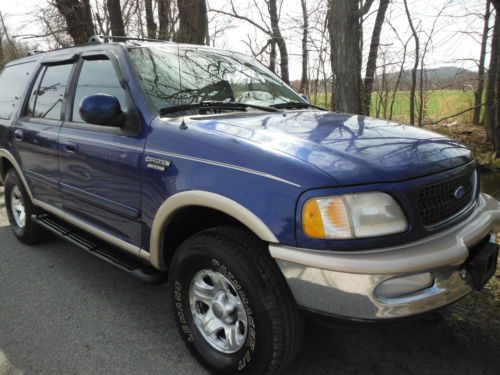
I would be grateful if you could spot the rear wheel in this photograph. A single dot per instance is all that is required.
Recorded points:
(232, 305)
(19, 210)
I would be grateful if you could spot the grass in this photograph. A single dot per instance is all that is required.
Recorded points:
(438, 104)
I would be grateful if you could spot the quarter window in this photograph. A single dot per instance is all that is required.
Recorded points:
(97, 77)
(13, 81)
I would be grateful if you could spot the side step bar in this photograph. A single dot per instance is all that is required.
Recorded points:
(126, 262)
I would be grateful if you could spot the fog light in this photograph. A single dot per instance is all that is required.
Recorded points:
(401, 286)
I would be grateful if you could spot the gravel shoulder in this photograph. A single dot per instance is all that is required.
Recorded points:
(63, 311)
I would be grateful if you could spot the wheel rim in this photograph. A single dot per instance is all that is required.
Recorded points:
(17, 206)
(218, 311)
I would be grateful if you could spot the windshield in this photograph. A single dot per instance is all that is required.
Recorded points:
(173, 76)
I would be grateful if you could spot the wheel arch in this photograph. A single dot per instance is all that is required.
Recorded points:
(7, 161)
(197, 198)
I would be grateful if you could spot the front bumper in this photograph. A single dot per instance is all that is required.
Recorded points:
(390, 282)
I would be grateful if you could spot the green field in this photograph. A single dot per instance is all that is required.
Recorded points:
(438, 104)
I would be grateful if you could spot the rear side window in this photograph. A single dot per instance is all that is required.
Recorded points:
(48, 93)
(13, 81)
(97, 77)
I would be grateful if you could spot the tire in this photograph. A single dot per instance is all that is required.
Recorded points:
(25, 229)
(268, 327)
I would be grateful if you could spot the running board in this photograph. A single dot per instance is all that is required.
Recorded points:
(126, 262)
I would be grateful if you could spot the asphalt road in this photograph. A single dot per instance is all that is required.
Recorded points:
(62, 311)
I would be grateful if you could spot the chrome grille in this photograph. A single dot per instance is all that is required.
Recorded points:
(442, 201)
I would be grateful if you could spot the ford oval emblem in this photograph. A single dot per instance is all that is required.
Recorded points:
(459, 192)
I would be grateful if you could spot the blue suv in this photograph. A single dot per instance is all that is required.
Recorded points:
(201, 165)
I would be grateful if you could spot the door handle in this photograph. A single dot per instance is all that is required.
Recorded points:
(71, 147)
(18, 135)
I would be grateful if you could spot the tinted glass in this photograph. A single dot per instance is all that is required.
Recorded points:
(13, 81)
(50, 93)
(176, 75)
(97, 77)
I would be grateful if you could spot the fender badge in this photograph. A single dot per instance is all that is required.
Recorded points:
(158, 164)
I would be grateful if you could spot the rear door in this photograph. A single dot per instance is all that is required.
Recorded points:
(99, 165)
(35, 133)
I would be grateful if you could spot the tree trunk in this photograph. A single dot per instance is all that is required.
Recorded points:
(193, 21)
(150, 21)
(272, 56)
(492, 111)
(415, 66)
(371, 65)
(478, 95)
(345, 33)
(304, 83)
(276, 35)
(78, 17)
(1, 50)
(164, 19)
(116, 18)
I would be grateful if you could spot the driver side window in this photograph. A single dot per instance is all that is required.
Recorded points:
(97, 76)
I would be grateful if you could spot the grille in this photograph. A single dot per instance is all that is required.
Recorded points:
(437, 202)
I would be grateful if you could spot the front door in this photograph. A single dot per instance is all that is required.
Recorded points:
(100, 166)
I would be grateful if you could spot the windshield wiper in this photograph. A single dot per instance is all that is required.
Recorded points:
(296, 105)
(214, 104)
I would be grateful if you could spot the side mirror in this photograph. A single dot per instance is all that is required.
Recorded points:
(305, 97)
(102, 109)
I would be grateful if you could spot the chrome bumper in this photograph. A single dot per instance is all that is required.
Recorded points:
(391, 282)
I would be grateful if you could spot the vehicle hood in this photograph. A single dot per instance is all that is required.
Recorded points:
(352, 149)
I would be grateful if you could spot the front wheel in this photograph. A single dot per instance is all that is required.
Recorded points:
(232, 305)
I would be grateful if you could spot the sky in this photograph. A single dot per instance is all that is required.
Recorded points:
(456, 36)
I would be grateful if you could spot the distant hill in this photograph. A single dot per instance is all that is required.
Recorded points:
(446, 77)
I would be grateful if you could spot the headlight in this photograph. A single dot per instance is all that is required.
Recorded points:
(353, 216)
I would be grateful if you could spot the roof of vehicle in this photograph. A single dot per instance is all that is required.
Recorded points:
(107, 42)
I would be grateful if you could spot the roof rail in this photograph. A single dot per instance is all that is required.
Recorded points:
(110, 38)
(35, 52)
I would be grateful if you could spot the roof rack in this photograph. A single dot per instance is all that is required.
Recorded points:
(35, 52)
(110, 38)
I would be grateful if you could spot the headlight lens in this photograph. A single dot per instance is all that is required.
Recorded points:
(353, 216)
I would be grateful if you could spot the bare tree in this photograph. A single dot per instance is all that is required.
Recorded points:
(492, 110)
(415, 65)
(193, 22)
(150, 21)
(345, 41)
(271, 29)
(371, 65)
(422, 98)
(116, 18)
(164, 19)
(304, 82)
(478, 94)
(78, 16)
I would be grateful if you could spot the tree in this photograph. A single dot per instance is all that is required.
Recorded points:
(345, 41)
(271, 29)
(164, 17)
(116, 18)
(478, 94)
(279, 40)
(492, 109)
(150, 21)
(415, 65)
(193, 22)
(371, 65)
(78, 17)
(304, 82)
